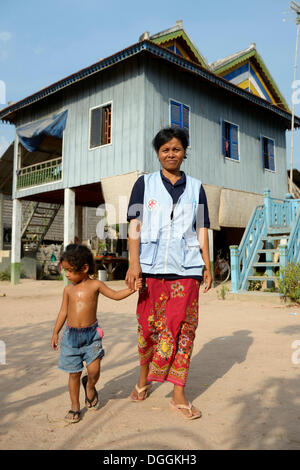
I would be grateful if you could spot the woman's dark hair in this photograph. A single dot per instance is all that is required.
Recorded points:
(165, 135)
(77, 256)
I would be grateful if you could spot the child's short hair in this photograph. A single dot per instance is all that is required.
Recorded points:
(78, 256)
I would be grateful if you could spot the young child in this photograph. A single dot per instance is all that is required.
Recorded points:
(82, 338)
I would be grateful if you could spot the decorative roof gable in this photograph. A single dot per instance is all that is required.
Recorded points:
(178, 41)
(247, 70)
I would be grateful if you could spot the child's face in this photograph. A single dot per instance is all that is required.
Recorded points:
(72, 275)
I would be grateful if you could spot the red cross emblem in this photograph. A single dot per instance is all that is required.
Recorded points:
(152, 204)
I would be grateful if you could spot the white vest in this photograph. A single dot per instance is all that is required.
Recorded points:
(170, 245)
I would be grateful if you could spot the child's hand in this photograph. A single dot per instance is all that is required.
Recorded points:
(139, 283)
(54, 342)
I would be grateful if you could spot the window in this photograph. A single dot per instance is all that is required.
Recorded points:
(267, 151)
(100, 130)
(230, 140)
(180, 115)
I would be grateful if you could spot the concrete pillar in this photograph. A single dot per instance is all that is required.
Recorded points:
(69, 216)
(16, 241)
(69, 221)
(1, 220)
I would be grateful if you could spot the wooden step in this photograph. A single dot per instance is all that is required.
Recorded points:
(262, 278)
(270, 238)
(267, 264)
(278, 230)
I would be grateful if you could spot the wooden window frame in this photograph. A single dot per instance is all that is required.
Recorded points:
(182, 106)
(103, 127)
(262, 137)
(223, 153)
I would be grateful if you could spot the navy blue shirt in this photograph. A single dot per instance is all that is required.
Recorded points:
(137, 197)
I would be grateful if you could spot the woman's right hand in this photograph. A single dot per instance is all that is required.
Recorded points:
(133, 274)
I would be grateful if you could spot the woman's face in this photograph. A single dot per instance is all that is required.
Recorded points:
(171, 155)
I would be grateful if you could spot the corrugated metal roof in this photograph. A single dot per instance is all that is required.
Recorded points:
(8, 113)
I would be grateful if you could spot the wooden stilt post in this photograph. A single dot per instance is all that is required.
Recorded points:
(69, 216)
(16, 241)
(16, 220)
(69, 220)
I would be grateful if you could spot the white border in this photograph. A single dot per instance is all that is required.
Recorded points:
(261, 156)
(90, 122)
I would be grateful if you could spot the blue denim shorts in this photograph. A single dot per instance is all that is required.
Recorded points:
(78, 345)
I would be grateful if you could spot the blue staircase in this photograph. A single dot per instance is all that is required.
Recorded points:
(273, 231)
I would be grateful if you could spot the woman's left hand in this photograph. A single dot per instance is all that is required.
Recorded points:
(207, 280)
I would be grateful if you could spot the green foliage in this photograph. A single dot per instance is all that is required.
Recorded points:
(5, 275)
(255, 285)
(222, 292)
(289, 283)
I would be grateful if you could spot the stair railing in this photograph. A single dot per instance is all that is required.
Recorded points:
(242, 256)
(293, 246)
(274, 213)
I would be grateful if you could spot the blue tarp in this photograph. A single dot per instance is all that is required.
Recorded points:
(31, 135)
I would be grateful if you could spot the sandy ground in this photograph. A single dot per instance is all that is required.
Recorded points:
(243, 377)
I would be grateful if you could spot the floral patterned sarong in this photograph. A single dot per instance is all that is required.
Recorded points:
(167, 314)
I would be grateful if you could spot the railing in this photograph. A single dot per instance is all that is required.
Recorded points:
(274, 214)
(293, 246)
(40, 173)
(242, 256)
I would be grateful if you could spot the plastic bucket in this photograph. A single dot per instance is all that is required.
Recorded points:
(102, 275)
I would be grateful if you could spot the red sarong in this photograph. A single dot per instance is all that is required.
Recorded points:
(167, 314)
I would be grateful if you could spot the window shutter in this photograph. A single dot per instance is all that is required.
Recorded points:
(234, 150)
(176, 114)
(95, 135)
(186, 119)
(106, 125)
(271, 155)
(262, 153)
(222, 128)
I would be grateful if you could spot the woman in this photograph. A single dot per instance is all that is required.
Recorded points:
(168, 247)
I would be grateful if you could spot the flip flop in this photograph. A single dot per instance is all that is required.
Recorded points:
(188, 407)
(140, 390)
(84, 381)
(74, 418)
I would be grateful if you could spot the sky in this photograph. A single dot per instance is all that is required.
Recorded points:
(44, 41)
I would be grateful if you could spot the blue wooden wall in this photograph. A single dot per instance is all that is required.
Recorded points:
(208, 105)
(139, 90)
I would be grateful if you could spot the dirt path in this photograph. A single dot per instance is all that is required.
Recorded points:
(242, 377)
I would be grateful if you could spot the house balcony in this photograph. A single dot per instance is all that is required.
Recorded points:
(49, 171)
